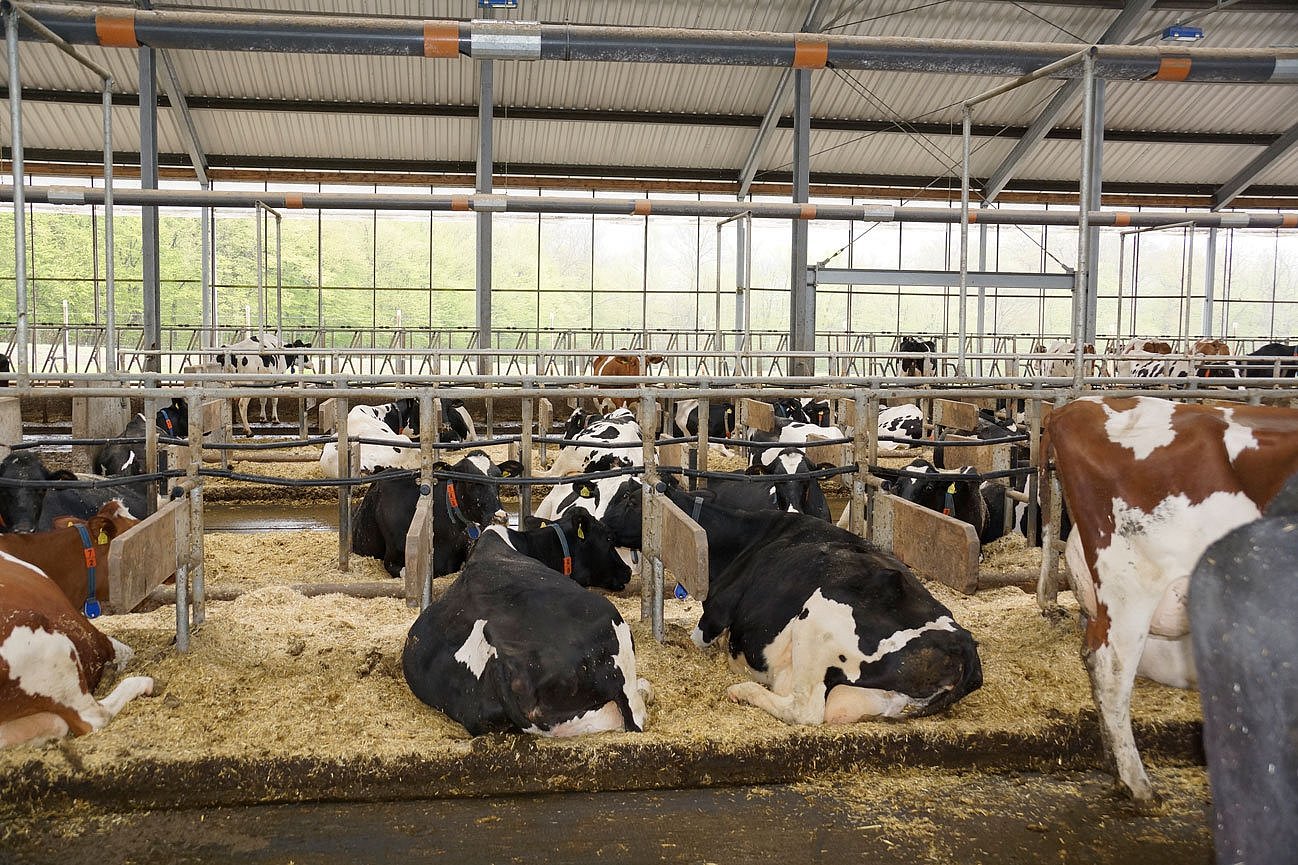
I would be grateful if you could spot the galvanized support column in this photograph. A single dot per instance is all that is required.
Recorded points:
(651, 575)
(1209, 284)
(149, 265)
(1082, 276)
(743, 257)
(525, 456)
(20, 212)
(196, 572)
(428, 426)
(802, 298)
(963, 332)
(482, 283)
(1091, 202)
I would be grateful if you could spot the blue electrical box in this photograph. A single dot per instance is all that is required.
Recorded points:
(1182, 33)
(497, 4)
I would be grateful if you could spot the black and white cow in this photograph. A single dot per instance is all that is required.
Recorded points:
(1242, 611)
(515, 646)
(395, 422)
(989, 428)
(783, 492)
(942, 492)
(460, 510)
(1279, 360)
(28, 509)
(268, 356)
(721, 421)
(592, 496)
(993, 495)
(791, 434)
(6, 367)
(577, 545)
(617, 433)
(900, 421)
(805, 410)
(120, 458)
(833, 629)
(914, 367)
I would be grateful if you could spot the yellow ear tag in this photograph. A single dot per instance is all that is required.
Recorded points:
(584, 492)
(103, 538)
(951, 489)
(581, 533)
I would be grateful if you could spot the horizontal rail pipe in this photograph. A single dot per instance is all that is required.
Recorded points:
(79, 195)
(114, 26)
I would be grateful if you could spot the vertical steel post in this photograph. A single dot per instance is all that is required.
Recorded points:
(149, 264)
(651, 523)
(1082, 277)
(259, 252)
(802, 306)
(525, 455)
(486, 74)
(1209, 284)
(963, 334)
(110, 285)
(196, 570)
(205, 276)
(344, 492)
(279, 277)
(1091, 203)
(20, 230)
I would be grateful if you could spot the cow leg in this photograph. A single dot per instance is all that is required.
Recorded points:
(126, 691)
(1112, 663)
(796, 661)
(243, 415)
(274, 409)
(33, 730)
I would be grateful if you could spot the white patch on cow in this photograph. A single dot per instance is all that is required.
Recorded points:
(790, 462)
(122, 510)
(624, 660)
(1237, 437)
(122, 653)
(129, 460)
(1142, 429)
(900, 639)
(476, 651)
(483, 463)
(847, 704)
(683, 409)
(502, 532)
(607, 718)
(13, 560)
(42, 663)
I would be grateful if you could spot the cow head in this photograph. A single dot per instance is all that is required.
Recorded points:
(595, 561)
(20, 506)
(476, 502)
(802, 495)
(455, 427)
(624, 514)
(937, 663)
(298, 360)
(173, 420)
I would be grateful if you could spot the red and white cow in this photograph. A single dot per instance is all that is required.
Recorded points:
(1150, 484)
(51, 660)
(620, 365)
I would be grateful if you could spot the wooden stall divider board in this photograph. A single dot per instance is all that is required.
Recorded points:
(145, 555)
(757, 414)
(992, 457)
(325, 412)
(935, 546)
(97, 417)
(11, 423)
(954, 414)
(684, 549)
(834, 455)
(671, 455)
(213, 415)
(847, 413)
(419, 550)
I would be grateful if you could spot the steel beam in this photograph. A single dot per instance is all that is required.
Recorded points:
(802, 295)
(482, 283)
(149, 264)
(1230, 190)
(208, 30)
(1091, 201)
(1122, 27)
(176, 100)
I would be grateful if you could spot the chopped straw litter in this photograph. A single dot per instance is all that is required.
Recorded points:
(274, 672)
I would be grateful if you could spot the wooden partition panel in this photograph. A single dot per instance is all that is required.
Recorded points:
(684, 549)
(935, 546)
(144, 556)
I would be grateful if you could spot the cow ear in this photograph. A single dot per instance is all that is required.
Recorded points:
(756, 469)
(511, 469)
(530, 522)
(102, 529)
(441, 466)
(581, 520)
(585, 489)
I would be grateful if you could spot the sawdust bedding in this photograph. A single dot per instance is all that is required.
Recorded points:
(276, 673)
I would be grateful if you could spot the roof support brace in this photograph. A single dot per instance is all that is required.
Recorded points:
(1120, 29)
(1228, 191)
(185, 120)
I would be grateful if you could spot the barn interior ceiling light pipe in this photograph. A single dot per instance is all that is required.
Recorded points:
(80, 195)
(187, 29)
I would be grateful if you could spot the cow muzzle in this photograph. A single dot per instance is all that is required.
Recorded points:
(500, 518)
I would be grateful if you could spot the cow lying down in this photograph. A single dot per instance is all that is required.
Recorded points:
(832, 629)
(514, 645)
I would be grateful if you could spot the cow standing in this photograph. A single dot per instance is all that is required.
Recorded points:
(922, 363)
(514, 645)
(1276, 360)
(264, 355)
(1150, 484)
(1242, 612)
(832, 629)
(628, 365)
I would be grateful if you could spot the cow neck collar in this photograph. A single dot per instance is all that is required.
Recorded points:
(453, 507)
(166, 421)
(948, 501)
(698, 507)
(567, 553)
(91, 605)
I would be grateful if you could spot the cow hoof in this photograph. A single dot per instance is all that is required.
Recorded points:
(646, 691)
(740, 693)
(1054, 613)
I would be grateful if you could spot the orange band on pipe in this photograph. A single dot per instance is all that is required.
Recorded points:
(810, 55)
(1173, 69)
(116, 30)
(460, 202)
(1290, 221)
(642, 207)
(292, 199)
(807, 211)
(973, 216)
(1121, 219)
(441, 40)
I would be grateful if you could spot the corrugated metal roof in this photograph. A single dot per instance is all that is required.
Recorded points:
(693, 90)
